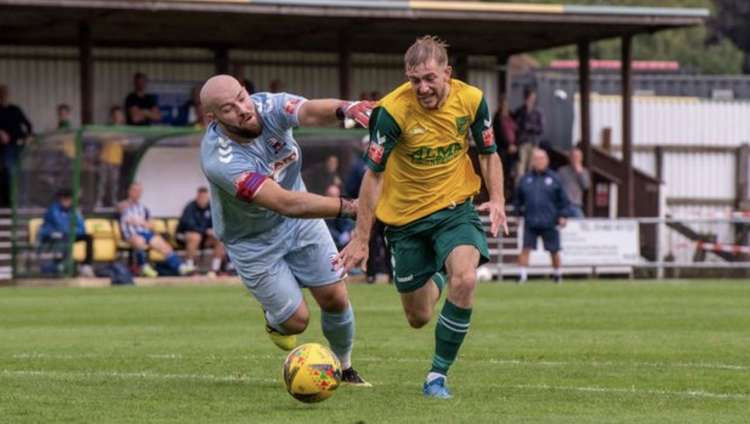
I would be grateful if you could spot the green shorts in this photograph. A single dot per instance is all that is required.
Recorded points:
(419, 249)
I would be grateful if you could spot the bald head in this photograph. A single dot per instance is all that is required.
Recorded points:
(226, 101)
(539, 160)
(219, 89)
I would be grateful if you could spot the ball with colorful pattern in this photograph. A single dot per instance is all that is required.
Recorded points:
(311, 373)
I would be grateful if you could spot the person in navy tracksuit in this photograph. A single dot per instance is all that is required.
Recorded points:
(56, 228)
(542, 202)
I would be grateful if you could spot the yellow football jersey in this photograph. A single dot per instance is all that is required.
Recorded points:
(423, 152)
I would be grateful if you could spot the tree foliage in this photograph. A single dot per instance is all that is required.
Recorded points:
(689, 46)
(732, 21)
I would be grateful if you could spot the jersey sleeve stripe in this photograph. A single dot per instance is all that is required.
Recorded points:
(249, 185)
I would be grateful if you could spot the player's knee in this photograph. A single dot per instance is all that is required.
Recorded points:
(463, 283)
(297, 323)
(417, 319)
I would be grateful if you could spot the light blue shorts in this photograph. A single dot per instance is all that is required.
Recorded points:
(277, 264)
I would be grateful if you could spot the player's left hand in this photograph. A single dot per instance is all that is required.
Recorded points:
(353, 255)
(497, 216)
(359, 111)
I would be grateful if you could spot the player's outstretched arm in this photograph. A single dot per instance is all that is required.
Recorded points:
(328, 112)
(355, 253)
(492, 172)
(300, 204)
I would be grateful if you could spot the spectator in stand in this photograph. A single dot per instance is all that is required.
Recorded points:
(530, 121)
(195, 231)
(319, 177)
(55, 229)
(14, 129)
(357, 170)
(116, 116)
(505, 129)
(140, 107)
(63, 117)
(191, 112)
(138, 231)
(575, 180)
(340, 228)
(248, 84)
(276, 86)
(110, 162)
(542, 202)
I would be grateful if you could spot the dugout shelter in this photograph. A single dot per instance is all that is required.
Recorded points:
(351, 40)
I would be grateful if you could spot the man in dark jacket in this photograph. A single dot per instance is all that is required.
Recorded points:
(55, 230)
(542, 202)
(195, 231)
(14, 129)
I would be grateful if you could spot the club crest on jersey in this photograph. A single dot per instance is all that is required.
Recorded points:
(488, 137)
(275, 144)
(291, 105)
(462, 125)
(377, 148)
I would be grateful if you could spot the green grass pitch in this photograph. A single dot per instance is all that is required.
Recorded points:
(583, 352)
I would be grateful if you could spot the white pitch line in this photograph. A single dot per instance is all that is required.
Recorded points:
(135, 375)
(497, 361)
(687, 393)
(697, 393)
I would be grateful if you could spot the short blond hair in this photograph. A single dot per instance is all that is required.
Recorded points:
(424, 49)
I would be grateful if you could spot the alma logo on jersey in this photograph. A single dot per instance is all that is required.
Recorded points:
(225, 150)
(437, 156)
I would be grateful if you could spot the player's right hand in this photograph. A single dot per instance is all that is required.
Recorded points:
(359, 111)
(354, 255)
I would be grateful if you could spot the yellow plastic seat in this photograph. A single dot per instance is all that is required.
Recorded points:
(105, 246)
(158, 226)
(172, 224)
(79, 247)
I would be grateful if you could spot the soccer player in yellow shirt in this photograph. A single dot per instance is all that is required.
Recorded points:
(420, 183)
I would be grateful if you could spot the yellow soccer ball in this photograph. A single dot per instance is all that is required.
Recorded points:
(312, 373)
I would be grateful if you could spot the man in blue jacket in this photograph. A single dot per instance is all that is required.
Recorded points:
(542, 202)
(55, 229)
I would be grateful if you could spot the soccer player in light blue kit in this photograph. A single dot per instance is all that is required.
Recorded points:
(259, 202)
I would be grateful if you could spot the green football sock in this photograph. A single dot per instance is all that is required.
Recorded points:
(439, 279)
(451, 328)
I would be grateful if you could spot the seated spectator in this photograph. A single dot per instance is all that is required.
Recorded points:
(55, 229)
(116, 116)
(319, 177)
(195, 231)
(340, 228)
(191, 113)
(63, 117)
(137, 230)
(140, 107)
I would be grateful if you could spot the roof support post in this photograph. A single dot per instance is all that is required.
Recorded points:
(345, 66)
(221, 60)
(627, 123)
(86, 73)
(584, 84)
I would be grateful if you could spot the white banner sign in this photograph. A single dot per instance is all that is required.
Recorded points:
(594, 242)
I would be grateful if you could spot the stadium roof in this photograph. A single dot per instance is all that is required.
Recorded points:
(387, 26)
